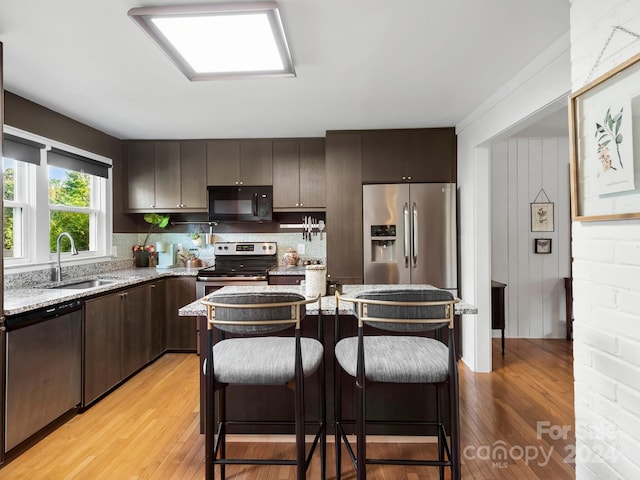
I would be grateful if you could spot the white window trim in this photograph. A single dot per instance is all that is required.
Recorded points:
(104, 232)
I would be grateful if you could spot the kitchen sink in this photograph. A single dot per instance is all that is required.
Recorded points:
(85, 284)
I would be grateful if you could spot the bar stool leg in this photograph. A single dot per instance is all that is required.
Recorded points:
(337, 417)
(441, 436)
(223, 430)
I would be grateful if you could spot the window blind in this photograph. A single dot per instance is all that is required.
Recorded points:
(21, 149)
(71, 161)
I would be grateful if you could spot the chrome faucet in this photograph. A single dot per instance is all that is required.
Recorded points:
(74, 251)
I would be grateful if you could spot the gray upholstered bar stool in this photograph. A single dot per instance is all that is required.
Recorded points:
(404, 356)
(256, 357)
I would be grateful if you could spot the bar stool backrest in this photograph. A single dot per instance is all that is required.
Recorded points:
(402, 309)
(256, 314)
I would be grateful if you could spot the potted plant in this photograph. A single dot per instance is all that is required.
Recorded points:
(196, 237)
(142, 253)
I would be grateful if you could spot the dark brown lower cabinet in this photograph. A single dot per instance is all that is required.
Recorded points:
(135, 329)
(157, 318)
(102, 346)
(123, 332)
(181, 331)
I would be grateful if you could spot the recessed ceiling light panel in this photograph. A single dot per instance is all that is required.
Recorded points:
(220, 41)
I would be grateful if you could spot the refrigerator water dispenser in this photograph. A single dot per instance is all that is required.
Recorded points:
(383, 243)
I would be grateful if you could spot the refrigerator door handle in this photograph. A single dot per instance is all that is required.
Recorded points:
(406, 220)
(414, 249)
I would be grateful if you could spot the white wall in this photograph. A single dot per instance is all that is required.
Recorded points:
(535, 294)
(541, 83)
(606, 275)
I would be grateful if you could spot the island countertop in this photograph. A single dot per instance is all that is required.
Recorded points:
(327, 304)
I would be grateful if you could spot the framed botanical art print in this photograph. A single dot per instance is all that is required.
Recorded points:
(542, 217)
(605, 146)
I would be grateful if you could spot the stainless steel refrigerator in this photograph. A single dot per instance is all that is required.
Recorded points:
(409, 234)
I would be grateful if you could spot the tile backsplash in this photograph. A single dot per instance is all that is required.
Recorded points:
(315, 249)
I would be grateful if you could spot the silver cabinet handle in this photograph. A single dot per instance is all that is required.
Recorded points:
(405, 218)
(415, 235)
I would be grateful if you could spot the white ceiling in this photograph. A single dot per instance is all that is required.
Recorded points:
(361, 64)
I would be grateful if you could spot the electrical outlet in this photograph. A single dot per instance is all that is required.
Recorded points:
(301, 248)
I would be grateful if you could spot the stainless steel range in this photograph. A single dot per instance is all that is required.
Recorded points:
(237, 263)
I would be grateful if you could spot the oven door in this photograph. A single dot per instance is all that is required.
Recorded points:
(206, 286)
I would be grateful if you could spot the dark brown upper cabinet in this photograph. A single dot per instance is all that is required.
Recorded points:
(167, 176)
(299, 174)
(409, 155)
(344, 206)
(239, 162)
(140, 178)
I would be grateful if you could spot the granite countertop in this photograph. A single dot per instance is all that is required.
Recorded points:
(21, 300)
(287, 270)
(327, 304)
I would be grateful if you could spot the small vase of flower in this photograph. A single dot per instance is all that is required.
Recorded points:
(143, 253)
(196, 238)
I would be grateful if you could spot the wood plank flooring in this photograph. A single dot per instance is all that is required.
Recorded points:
(149, 428)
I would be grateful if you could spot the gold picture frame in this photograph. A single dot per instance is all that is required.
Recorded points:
(604, 118)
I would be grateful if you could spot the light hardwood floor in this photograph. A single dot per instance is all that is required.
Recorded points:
(149, 427)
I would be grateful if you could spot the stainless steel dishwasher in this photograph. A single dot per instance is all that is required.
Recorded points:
(43, 371)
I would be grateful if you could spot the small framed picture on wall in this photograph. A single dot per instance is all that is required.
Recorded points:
(542, 245)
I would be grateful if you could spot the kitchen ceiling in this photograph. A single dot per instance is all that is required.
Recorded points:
(360, 64)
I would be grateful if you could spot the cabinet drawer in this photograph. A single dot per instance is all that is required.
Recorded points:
(285, 279)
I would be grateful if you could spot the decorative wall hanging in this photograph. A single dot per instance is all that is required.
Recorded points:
(605, 146)
(543, 245)
(542, 213)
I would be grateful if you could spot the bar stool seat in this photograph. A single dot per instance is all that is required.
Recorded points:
(396, 359)
(271, 361)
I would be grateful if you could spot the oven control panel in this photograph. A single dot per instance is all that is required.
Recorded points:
(244, 248)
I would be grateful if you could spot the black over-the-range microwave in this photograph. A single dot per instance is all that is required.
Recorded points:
(240, 203)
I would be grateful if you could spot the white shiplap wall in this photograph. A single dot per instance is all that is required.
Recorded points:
(534, 298)
(606, 273)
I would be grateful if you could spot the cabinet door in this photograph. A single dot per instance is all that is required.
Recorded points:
(384, 156)
(256, 159)
(157, 318)
(193, 175)
(181, 331)
(286, 174)
(135, 329)
(102, 346)
(344, 207)
(140, 178)
(431, 155)
(313, 175)
(223, 162)
(167, 175)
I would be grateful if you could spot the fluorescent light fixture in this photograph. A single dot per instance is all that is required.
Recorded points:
(220, 41)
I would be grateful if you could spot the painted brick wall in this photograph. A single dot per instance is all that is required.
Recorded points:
(606, 271)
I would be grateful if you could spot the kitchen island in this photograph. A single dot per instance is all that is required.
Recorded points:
(399, 401)
(327, 304)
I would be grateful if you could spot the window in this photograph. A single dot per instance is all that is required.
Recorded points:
(15, 176)
(77, 200)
